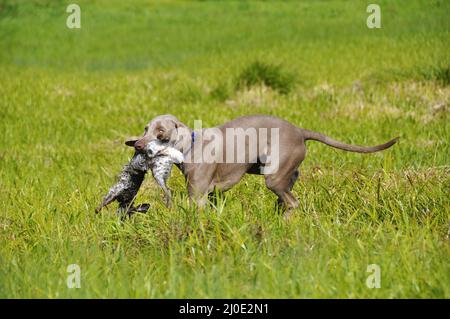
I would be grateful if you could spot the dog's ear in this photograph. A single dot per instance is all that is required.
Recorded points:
(131, 141)
(178, 124)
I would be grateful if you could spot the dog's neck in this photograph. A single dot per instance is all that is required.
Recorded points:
(184, 145)
(185, 140)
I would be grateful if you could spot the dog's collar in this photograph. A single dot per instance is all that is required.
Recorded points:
(192, 137)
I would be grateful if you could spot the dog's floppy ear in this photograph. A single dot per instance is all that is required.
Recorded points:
(131, 141)
(178, 124)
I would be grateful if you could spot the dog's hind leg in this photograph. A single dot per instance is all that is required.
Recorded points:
(282, 185)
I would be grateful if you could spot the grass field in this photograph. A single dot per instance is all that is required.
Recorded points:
(69, 97)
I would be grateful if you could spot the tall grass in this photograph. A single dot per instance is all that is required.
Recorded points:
(272, 76)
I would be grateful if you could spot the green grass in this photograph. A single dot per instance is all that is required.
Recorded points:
(271, 76)
(68, 99)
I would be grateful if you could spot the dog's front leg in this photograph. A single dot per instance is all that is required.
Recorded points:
(199, 178)
(198, 193)
(197, 199)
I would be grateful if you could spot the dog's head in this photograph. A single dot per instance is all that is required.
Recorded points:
(165, 128)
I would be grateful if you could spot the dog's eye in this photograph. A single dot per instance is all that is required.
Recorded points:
(161, 130)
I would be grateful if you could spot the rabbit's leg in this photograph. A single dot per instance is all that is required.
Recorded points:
(161, 177)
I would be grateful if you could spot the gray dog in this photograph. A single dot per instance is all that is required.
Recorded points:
(205, 176)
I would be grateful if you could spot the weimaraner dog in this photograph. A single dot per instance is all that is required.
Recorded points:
(281, 141)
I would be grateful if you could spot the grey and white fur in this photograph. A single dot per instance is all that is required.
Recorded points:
(161, 158)
(157, 156)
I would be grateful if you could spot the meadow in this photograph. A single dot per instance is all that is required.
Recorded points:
(70, 97)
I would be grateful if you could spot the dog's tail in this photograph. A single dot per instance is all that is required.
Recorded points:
(310, 135)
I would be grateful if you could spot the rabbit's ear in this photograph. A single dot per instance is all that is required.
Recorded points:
(131, 141)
